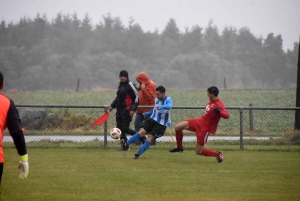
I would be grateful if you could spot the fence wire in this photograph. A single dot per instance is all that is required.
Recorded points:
(246, 125)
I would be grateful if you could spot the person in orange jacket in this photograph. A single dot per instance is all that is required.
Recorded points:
(9, 117)
(146, 91)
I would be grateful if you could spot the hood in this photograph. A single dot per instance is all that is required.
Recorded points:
(142, 77)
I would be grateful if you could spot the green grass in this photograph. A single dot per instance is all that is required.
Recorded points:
(97, 173)
(263, 98)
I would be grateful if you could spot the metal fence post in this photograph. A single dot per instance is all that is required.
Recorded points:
(251, 117)
(241, 130)
(105, 130)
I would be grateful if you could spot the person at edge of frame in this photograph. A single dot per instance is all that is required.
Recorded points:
(156, 125)
(126, 103)
(9, 117)
(146, 92)
(204, 126)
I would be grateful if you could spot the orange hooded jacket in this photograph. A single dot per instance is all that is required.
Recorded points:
(146, 94)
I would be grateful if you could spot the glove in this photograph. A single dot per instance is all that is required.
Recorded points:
(217, 110)
(24, 166)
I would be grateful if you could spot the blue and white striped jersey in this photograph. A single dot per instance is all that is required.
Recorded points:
(162, 114)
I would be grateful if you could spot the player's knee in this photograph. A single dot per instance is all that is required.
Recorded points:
(142, 132)
(178, 127)
(182, 126)
(198, 152)
(150, 138)
(198, 149)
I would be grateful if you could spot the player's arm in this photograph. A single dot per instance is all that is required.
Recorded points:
(224, 113)
(15, 129)
(221, 110)
(148, 114)
(168, 105)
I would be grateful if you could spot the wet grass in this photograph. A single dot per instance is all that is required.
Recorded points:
(98, 173)
(257, 97)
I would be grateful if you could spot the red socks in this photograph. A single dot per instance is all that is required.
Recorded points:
(179, 136)
(208, 152)
(205, 151)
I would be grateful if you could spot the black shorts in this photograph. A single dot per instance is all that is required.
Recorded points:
(153, 128)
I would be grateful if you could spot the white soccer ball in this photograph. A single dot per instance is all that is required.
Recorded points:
(115, 133)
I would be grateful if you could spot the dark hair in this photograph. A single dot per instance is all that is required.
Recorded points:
(1, 78)
(213, 90)
(161, 89)
(123, 73)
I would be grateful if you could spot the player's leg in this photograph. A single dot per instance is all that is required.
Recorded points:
(156, 130)
(144, 147)
(199, 149)
(145, 127)
(209, 152)
(202, 137)
(179, 136)
(137, 136)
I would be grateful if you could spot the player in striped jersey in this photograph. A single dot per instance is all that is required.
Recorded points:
(156, 125)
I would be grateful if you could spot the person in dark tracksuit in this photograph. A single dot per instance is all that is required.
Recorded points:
(126, 103)
(9, 117)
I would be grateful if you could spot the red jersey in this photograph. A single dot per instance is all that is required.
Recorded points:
(210, 119)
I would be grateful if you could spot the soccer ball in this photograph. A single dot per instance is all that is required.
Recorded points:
(115, 133)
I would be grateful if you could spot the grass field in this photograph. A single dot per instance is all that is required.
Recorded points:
(263, 98)
(97, 173)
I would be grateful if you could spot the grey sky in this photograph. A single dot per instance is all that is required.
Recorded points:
(260, 16)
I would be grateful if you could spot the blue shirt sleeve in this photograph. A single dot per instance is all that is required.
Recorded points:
(168, 105)
(148, 114)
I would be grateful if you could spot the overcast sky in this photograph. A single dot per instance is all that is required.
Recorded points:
(260, 16)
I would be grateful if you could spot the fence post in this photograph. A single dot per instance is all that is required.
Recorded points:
(77, 87)
(105, 130)
(251, 117)
(241, 130)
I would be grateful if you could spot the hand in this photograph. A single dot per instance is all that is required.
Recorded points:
(24, 166)
(217, 110)
(109, 109)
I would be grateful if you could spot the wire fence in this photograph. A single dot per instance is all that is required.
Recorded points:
(246, 125)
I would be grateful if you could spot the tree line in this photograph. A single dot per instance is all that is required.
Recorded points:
(42, 54)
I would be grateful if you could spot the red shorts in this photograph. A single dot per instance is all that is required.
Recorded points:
(201, 132)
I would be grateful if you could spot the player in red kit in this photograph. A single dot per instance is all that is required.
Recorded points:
(203, 126)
